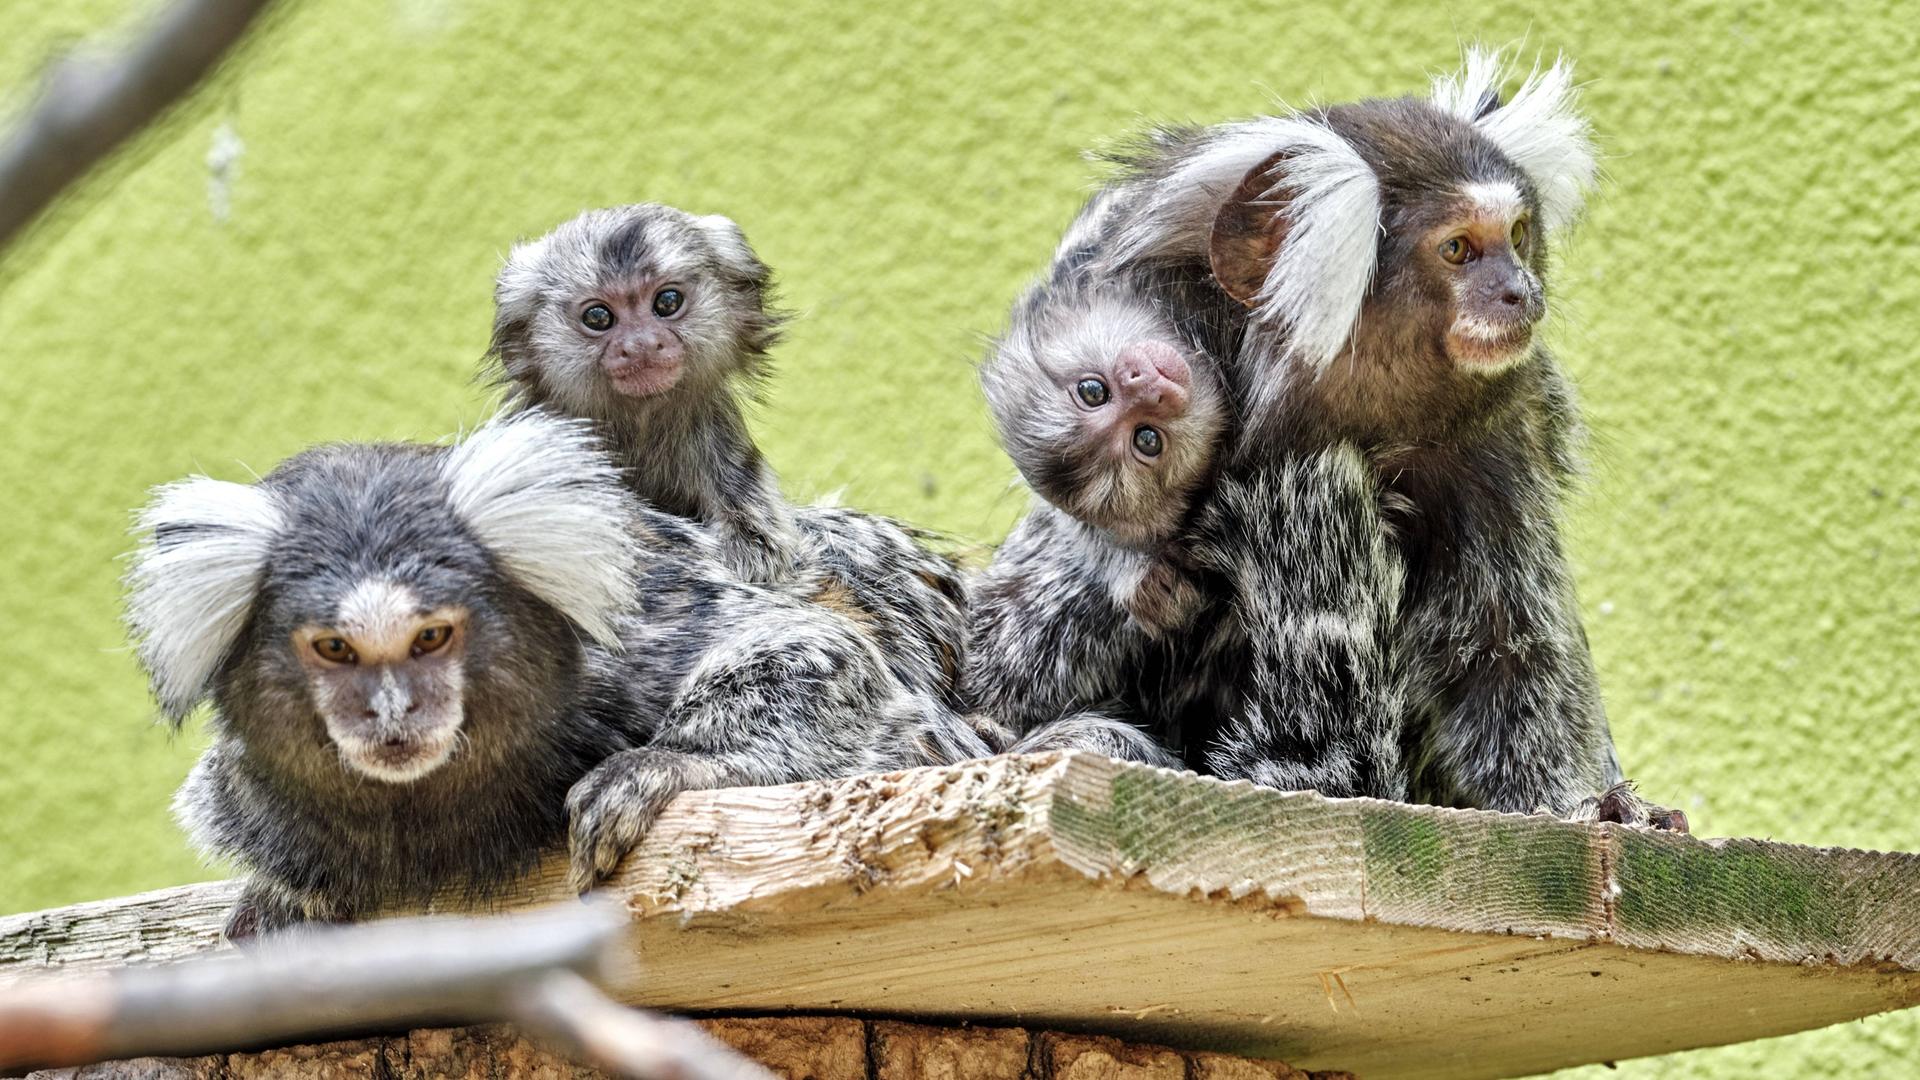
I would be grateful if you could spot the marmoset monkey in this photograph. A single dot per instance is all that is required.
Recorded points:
(1385, 523)
(655, 324)
(1115, 421)
(422, 658)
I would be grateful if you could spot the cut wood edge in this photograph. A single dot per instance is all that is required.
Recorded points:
(991, 891)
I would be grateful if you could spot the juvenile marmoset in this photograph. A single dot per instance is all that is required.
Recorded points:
(423, 659)
(655, 325)
(1385, 524)
(1115, 421)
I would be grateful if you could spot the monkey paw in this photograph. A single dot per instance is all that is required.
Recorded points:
(1622, 805)
(610, 809)
(262, 909)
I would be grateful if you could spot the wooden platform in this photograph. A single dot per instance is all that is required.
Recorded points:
(1070, 892)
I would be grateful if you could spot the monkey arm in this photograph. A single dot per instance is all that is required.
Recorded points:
(783, 692)
(1046, 635)
(1516, 721)
(752, 519)
(1315, 586)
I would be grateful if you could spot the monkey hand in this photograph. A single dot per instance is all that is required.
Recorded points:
(611, 808)
(264, 908)
(1621, 804)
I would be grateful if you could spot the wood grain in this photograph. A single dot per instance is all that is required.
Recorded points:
(1070, 892)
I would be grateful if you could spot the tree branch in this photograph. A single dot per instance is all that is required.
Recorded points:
(91, 104)
(540, 970)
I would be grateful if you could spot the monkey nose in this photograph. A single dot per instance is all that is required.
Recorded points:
(1154, 373)
(639, 346)
(1145, 359)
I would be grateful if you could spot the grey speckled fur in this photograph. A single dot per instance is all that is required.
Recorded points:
(688, 451)
(701, 679)
(1391, 611)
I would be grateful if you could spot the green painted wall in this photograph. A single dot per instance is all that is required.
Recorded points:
(1741, 309)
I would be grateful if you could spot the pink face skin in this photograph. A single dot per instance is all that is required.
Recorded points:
(636, 331)
(1148, 388)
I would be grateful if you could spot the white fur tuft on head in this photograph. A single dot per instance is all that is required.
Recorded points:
(546, 500)
(1540, 127)
(1316, 287)
(193, 581)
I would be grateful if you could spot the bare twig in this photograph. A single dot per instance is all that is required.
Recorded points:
(540, 969)
(573, 1017)
(91, 104)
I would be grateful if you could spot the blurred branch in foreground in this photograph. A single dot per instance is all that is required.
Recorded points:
(541, 971)
(90, 103)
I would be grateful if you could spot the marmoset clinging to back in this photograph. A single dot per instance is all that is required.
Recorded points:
(1115, 421)
(1384, 528)
(654, 324)
(421, 659)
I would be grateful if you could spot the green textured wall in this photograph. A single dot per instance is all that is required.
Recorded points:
(1741, 309)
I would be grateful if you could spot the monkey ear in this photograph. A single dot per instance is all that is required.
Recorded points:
(1298, 238)
(1540, 128)
(193, 581)
(547, 501)
(730, 246)
(516, 297)
(1249, 231)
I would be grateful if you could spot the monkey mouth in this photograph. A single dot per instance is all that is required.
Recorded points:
(398, 760)
(644, 379)
(1488, 347)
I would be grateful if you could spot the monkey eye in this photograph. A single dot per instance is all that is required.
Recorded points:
(1455, 249)
(597, 317)
(1520, 234)
(431, 639)
(1091, 392)
(667, 301)
(335, 650)
(1147, 440)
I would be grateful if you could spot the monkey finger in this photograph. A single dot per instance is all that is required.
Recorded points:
(1668, 820)
(243, 924)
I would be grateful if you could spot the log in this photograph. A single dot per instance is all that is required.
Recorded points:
(1070, 892)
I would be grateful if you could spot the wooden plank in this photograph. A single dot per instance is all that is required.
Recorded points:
(1067, 891)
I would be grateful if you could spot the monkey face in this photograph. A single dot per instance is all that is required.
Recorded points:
(386, 675)
(635, 334)
(624, 307)
(1482, 253)
(1106, 416)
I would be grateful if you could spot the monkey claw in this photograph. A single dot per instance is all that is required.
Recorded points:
(1069, 891)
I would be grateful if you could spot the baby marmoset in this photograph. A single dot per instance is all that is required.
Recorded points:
(1115, 420)
(655, 325)
(423, 659)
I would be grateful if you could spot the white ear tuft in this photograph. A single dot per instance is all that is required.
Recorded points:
(193, 580)
(1540, 128)
(548, 503)
(1318, 284)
